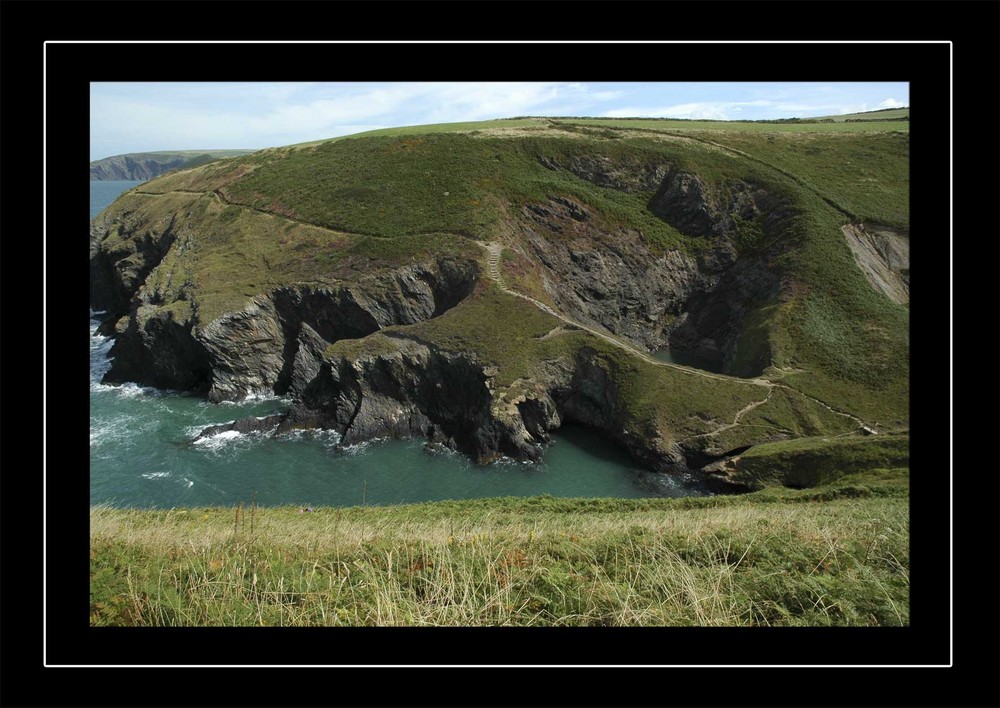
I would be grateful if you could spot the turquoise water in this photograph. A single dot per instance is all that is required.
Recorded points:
(142, 454)
(676, 356)
(103, 192)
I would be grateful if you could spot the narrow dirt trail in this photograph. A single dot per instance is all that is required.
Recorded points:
(225, 202)
(494, 250)
(830, 408)
(736, 420)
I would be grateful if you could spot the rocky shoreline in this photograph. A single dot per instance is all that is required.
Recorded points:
(278, 342)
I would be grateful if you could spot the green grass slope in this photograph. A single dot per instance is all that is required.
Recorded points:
(835, 555)
(733, 126)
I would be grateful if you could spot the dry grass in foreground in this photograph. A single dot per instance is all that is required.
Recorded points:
(815, 557)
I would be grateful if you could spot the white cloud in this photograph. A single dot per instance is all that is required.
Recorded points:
(714, 111)
(682, 110)
(174, 116)
(756, 109)
(130, 117)
(461, 102)
(605, 95)
(703, 110)
(800, 109)
(853, 108)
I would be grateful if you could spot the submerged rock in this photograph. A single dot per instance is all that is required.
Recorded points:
(252, 424)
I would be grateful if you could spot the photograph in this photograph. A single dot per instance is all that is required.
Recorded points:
(499, 354)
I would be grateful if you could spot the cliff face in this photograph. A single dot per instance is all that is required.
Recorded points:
(125, 167)
(410, 388)
(616, 281)
(275, 342)
(122, 255)
(142, 166)
(267, 336)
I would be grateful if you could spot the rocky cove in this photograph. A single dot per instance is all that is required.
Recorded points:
(350, 353)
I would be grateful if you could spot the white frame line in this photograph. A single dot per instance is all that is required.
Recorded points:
(951, 524)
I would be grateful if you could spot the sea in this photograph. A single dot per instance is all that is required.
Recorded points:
(143, 453)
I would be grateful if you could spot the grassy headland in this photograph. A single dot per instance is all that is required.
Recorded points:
(342, 207)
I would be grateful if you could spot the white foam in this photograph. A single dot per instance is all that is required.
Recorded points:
(262, 396)
(126, 390)
(193, 431)
(503, 460)
(357, 448)
(435, 448)
(98, 341)
(230, 440)
(134, 390)
(99, 360)
(219, 439)
(155, 475)
(328, 438)
(100, 435)
(120, 429)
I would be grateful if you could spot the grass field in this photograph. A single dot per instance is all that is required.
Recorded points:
(666, 124)
(467, 127)
(815, 461)
(878, 121)
(836, 555)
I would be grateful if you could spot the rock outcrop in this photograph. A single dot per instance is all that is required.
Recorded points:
(274, 343)
(122, 255)
(883, 255)
(612, 281)
(244, 426)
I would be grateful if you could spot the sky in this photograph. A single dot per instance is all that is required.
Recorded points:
(138, 117)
